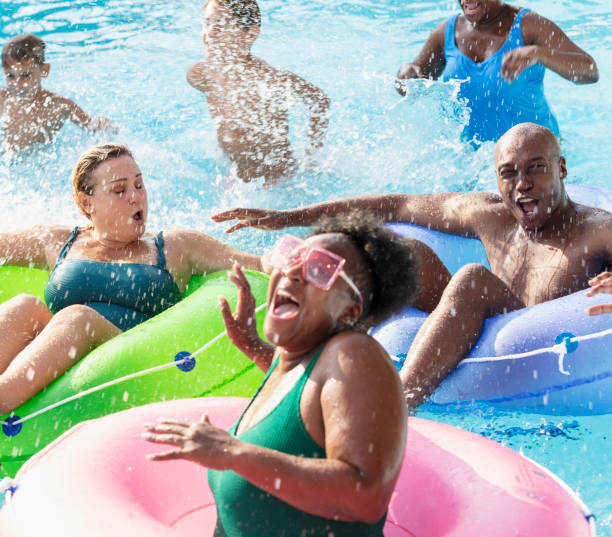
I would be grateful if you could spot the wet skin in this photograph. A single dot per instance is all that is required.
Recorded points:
(362, 437)
(36, 346)
(249, 100)
(540, 246)
(482, 29)
(31, 114)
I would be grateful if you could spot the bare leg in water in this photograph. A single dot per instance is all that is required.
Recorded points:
(37, 347)
(449, 333)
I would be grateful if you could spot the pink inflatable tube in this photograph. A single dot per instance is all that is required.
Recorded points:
(94, 481)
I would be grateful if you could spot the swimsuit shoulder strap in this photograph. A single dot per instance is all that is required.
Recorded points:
(159, 242)
(68, 244)
(449, 32)
(299, 385)
(515, 36)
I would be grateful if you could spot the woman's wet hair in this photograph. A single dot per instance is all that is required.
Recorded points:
(23, 47)
(391, 276)
(88, 161)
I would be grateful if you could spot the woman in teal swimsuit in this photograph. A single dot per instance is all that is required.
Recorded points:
(319, 448)
(107, 277)
(500, 53)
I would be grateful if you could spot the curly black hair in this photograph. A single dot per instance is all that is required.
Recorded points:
(393, 264)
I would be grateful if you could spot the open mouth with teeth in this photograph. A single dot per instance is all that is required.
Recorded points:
(529, 206)
(284, 306)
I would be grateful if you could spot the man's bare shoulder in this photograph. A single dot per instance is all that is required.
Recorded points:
(593, 217)
(199, 74)
(55, 104)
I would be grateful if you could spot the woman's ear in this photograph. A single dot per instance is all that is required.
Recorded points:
(85, 203)
(351, 314)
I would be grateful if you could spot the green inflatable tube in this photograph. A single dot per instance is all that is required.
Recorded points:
(220, 370)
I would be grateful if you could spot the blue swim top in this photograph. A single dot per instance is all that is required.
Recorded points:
(495, 104)
(126, 294)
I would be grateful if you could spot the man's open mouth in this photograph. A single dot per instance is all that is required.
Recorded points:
(529, 206)
(138, 216)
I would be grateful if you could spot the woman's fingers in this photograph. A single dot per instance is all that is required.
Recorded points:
(155, 438)
(173, 454)
(599, 309)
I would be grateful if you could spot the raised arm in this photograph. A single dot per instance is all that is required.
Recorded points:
(190, 252)
(429, 63)
(364, 440)
(37, 247)
(548, 45)
(318, 103)
(450, 212)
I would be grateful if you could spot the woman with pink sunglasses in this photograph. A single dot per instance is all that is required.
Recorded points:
(319, 447)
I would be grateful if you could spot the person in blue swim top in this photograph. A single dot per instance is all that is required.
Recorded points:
(319, 448)
(106, 277)
(500, 53)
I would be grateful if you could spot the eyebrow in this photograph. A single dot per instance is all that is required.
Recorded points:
(123, 178)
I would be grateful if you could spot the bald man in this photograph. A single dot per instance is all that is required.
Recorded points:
(539, 243)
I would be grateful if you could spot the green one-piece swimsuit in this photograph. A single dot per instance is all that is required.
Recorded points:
(244, 510)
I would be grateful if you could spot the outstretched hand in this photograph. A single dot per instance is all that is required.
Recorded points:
(406, 71)
(260, 218)
(601, 283)
(200, 442)
(241, 326)
(517, 60)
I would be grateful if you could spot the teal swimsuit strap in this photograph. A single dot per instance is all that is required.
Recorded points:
(299, 385)
(67, 245)
(159, 242)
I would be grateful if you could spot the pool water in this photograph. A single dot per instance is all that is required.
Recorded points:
(127, 60)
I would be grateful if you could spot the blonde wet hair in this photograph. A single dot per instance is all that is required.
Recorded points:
(88, 161)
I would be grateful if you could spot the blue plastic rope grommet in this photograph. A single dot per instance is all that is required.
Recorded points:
(189, 361)
(570, 345)
(10, 428)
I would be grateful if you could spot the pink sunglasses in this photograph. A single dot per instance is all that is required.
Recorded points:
(320, 267)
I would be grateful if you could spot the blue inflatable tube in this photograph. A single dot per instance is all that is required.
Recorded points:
(548, 358)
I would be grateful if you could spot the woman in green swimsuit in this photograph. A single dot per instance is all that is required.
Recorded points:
(319, 448)
(107, 277)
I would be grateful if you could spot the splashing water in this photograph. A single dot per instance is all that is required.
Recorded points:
(128, 60)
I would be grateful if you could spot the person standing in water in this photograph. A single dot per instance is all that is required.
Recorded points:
(319, 448)
(500, 53)
(248, 99)
(30, 114)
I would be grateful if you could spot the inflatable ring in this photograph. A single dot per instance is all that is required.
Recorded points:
(453, 484)
(548, 358)
(168, 337)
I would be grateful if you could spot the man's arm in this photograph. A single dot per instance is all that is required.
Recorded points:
(547, 44)
(449, 212)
